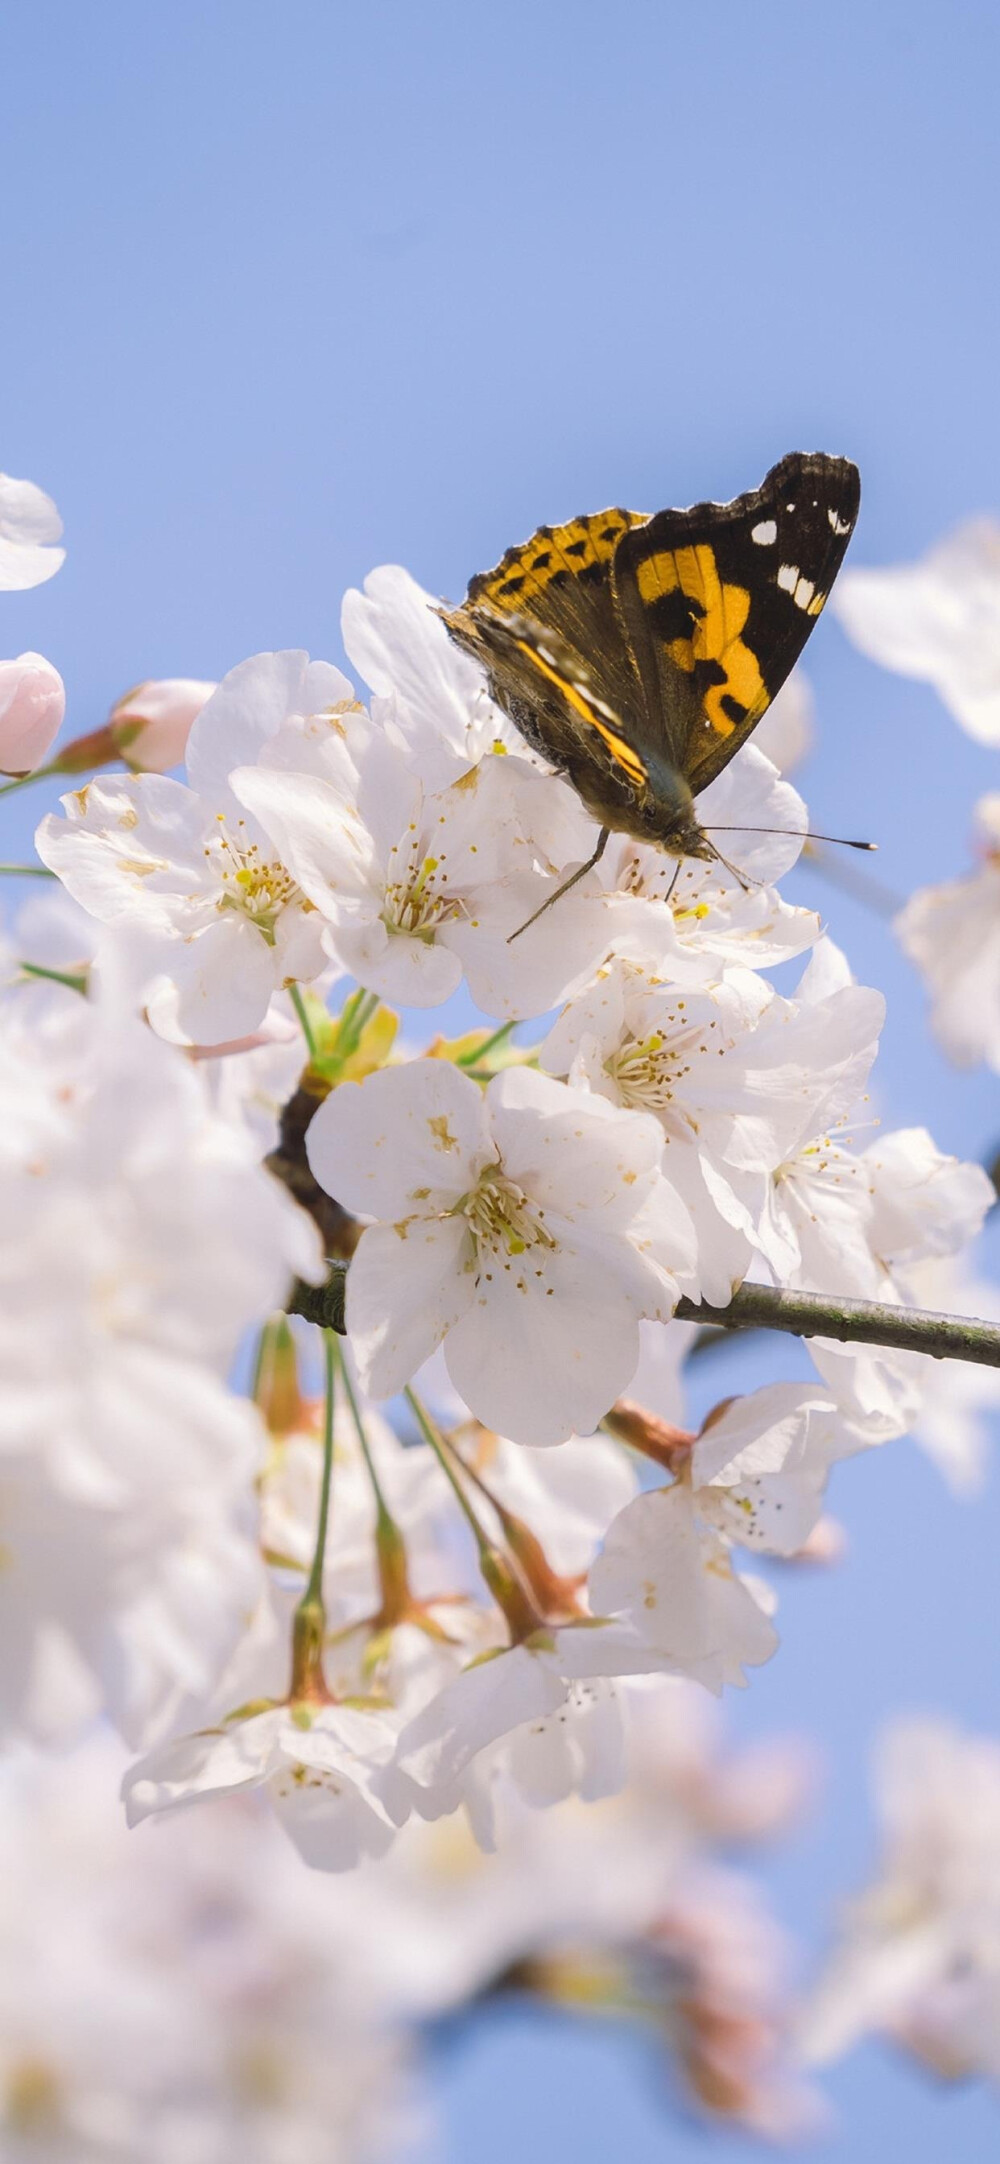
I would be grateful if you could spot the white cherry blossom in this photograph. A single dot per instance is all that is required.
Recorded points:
(897, 1204)
(317, 1764)
(667, 1570)
(29, 524)
(527, 1226)
(756, 1476)
(641, 1044)
(734, 1074)
(814, 1225)
(957, 1398)
(413, 885)
(952, 933)
(435, 694)
(224, 922)
(925, 1203)
(938, 620)
(547, 1707)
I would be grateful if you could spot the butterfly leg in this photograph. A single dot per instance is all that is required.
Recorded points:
(581, 873)
(673, 883)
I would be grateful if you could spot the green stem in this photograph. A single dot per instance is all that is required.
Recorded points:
(26, 871)
(23, 781)
(856, 1322)
(331, 1351)
(309, 1621)
(359, 1428)
(350, 1008)
(354, 1020)
(503, 1578)
(437, 1444)
(54, 976)
(390, 1544)
(303, 1014)
(480, 1051)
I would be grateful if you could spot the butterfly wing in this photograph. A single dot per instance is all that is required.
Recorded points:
(717, 603)
(562, 579)
(544, 625)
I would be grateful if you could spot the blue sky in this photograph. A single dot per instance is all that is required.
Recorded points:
(291, 291)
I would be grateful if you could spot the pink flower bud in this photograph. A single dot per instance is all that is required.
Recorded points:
(32, 705)
(153, 722)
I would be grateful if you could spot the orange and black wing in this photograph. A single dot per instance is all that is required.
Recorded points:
(716, 604)
(562, 578)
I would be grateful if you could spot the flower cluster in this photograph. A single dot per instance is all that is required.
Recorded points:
(480, 1565)
(523, 1212)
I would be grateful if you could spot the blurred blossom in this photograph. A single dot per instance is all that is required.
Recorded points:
(155, 720)
(51, 931)
(29, 524)
(185, 1993)
(938, 620)
(192, 1990)
(957, 1397)
(617, 1907)
(918, 1956)
(952, 933)
(139, 1239)
(32, 705)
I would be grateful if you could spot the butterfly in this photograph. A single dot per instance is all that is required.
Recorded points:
(637, 653)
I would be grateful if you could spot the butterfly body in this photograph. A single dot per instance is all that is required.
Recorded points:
(636, 654)
(554, 699)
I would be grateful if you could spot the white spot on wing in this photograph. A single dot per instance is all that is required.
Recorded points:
(803, 593)
(840, 525)
(788, 577)
(765, 532)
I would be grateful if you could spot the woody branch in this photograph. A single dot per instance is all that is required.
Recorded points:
(770, 1307)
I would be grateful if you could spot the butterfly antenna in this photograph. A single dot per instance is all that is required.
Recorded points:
(581, 873)
(840, 841)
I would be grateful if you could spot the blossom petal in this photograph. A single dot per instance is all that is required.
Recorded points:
(938, 620)
(483, 1704)
(249, 707)
(408, 1284)
(29, 522)
(409, 1140)
(571, 1151)
(217, 1761)
(547, 1345)
(130, 846)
